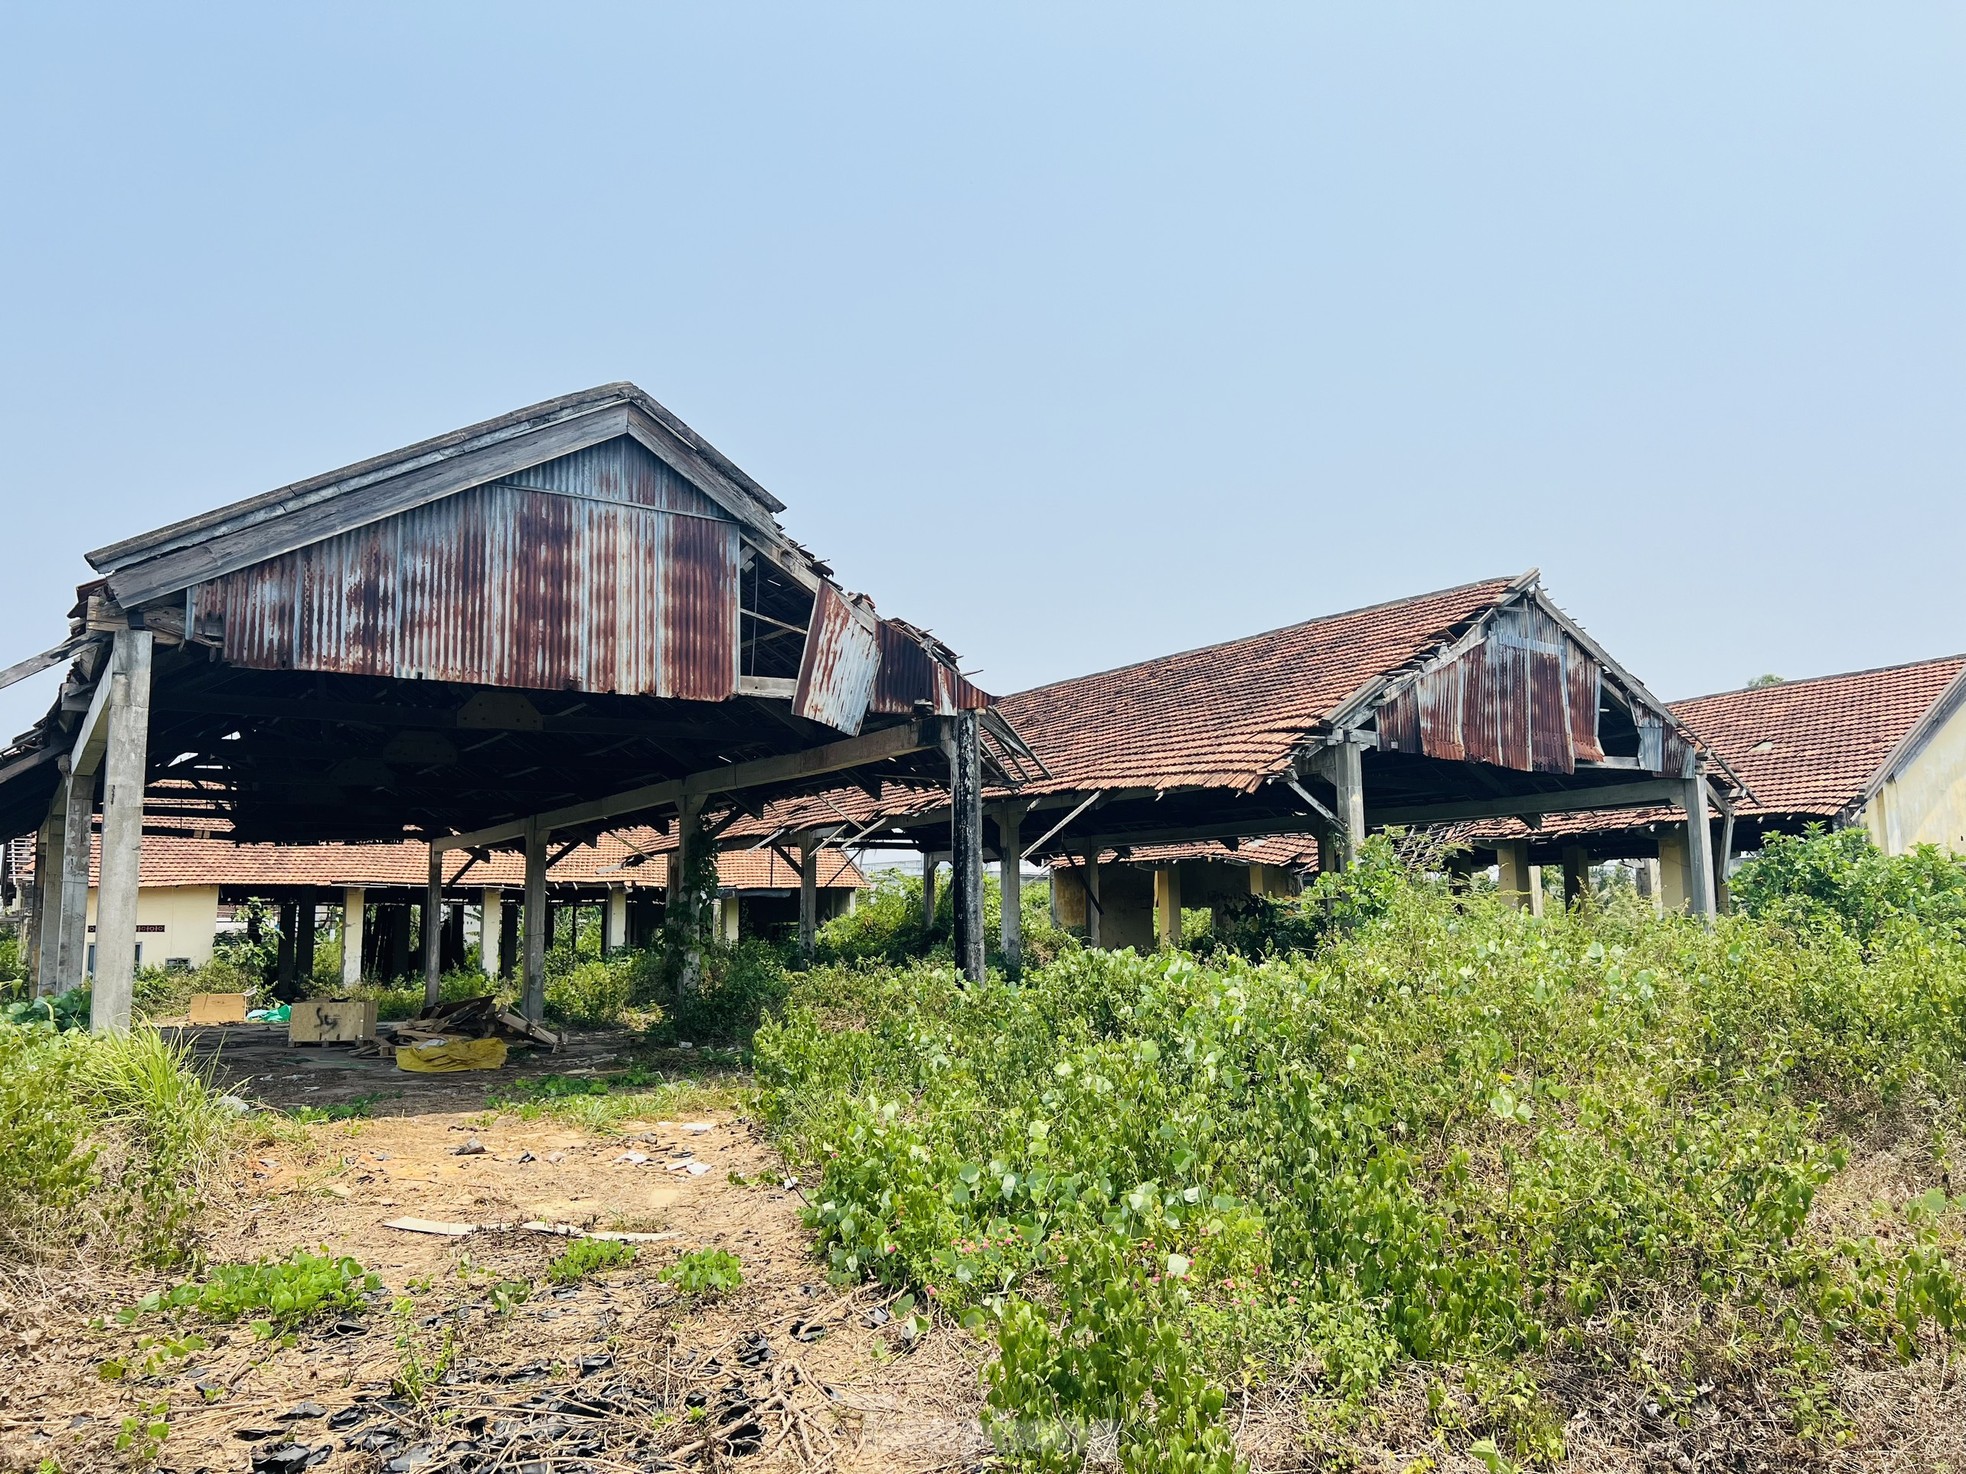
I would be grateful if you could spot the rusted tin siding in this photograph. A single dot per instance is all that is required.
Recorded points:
(842, 657)
(909, 673)
(597, 574)
(1525, 698)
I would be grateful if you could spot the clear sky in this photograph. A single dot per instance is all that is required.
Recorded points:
(1076, 333)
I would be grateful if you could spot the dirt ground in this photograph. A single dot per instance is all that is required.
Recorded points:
(617, 1373)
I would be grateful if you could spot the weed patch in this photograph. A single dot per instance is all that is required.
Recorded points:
(586, 1257)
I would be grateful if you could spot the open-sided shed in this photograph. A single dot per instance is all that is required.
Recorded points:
(521, 633)
(1471, 702)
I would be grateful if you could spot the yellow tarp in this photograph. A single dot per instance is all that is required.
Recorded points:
(442, 1056)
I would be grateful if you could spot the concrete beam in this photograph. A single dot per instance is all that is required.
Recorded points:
(815, 762)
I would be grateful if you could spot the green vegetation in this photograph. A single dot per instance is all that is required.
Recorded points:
(886, 923)
(276, 1295)
(585, 1257)
(111, 1139)
(1458, 1137)
(1841, 882)
(705, 1274)
(601, 1102)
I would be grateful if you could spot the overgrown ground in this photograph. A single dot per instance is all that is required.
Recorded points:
(1451, 1188)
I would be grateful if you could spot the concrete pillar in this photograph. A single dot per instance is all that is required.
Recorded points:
(1167, 906)
(1576, 874)
(305, 936)
(1348, 776)
(929, 862)
(491, 930)
(354, 918)
(47, 904)
(124, 769)
(1126, 917)
(614, 928)
(1512, 878)
(1089, 879)
(1675, 885)
(433, 928)
(533, 999)
(1645, 878)
(1010, 886)
(508, 938)
(33, 911)
(966, 840)
(728, 919)
(78, 799)
(808, 897)
(1699, 847)
(285, 970)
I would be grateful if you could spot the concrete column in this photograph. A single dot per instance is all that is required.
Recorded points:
(1010, 878)
(32, 910)
(433, 928)
(929, 862)
(966, 840)
(614, 921)
(1089, 877)
(1699, 848)
(305, 916)
(124, 770)
(728, 919)
(1512, 878)
(1349, 776)
(1576, 874)
(808, 896)
(1645, 878)
(533, 1001)
(1675, 884)
(354, 916)
(491, 930)
(47, 898)
(1167, 905)
(78, 799)
(508, 938)
(285, 970)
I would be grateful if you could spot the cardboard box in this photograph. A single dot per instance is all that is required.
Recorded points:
(218, 1008)
(331, 1021)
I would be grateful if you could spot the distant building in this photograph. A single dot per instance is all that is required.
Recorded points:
(191, 888)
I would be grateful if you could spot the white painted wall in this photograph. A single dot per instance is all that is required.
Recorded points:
(172, 921)
(1925, 803)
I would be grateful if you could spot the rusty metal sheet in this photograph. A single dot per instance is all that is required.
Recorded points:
(909, 673)
(502, 586)
(1586, 679)
(1399, 720)
(1440, 714)
(842, 657)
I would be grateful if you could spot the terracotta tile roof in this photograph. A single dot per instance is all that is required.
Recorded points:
(1228, 715)
(1804, 748)
(172, 861)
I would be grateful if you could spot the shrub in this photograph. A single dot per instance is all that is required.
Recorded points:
(705, 1274)
(1455, 1134)
(276, 1294)
(112, 1138)
(742, 985)
(1840, 878)
(589, 1256)
(590, 994)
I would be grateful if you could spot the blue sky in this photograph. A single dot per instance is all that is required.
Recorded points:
(1076, 333)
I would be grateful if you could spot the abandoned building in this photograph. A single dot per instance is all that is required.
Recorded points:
(1881, 749)
(190, 889)
(1474, 702)
(519, 635)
